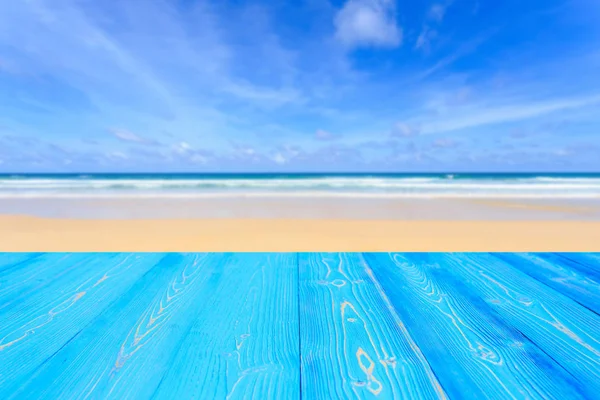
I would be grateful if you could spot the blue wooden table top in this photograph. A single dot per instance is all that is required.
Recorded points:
(307, 325)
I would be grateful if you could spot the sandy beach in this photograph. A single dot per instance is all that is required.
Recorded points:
(157, 225)
(154, 226)
(30, 234)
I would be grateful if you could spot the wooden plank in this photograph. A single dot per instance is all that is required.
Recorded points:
(244, 341)
(587, 265)
(49, 277)
(37, 337)
(35, 268)
(593, 256)
(588, 258)
(557, 325)
(353, 343)
(568, 281)
(473, 352)
(247, 325)
(9, 261)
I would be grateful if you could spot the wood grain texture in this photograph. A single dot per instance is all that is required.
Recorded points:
(24, 273)
(14, 260)
(37, 327)
(243, 342)
(44, 276)
(353, 343)
(563, 329)
(473, 351)
(116, 355)
(558, 275)
(291, 326)
(584, 263)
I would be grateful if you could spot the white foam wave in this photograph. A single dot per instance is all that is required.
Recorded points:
(337, 183)
(321, 194)
(298, 187)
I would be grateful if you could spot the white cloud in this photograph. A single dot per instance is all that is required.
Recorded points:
(169, 69)
(262, 95)
(436, 15)
(501, 114)
(182, 148)
(362, 23)
(404, 130)
(117, 155)
(437, 12)
(444, 143)
(244, 150)
(321, 134)
(198, 159)
(127, 136)
(425, 37)
(463, 50)
(279, 158)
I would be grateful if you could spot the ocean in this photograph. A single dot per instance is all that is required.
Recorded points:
(425, 185)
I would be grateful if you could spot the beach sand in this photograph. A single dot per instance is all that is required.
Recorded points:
(32, 234)
(159, 225)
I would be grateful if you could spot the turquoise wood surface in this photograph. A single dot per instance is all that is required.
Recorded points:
(241, 337)
(353, 343)
(308, 325)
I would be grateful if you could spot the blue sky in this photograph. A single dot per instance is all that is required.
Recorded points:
(313, 85)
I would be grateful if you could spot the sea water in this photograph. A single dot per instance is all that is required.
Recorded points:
(458, 185)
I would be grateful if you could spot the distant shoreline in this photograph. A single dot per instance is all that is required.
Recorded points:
(343, 213)
(309, 207)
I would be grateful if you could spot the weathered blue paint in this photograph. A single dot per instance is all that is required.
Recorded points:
(570, 282)
(308, 325)
(353, 342)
